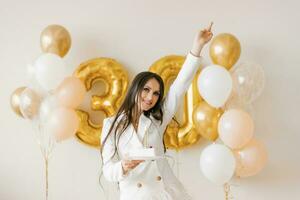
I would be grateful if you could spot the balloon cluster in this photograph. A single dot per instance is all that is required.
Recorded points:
(228, 92)
(52, 96)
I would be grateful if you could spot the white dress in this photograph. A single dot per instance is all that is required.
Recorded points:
(150, 180)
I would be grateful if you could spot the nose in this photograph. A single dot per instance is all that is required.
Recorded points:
(149, 96)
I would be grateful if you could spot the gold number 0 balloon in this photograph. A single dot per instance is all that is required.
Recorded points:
(177, 137)
(116, 80)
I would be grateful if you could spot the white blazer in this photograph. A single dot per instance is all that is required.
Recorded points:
(150, 179)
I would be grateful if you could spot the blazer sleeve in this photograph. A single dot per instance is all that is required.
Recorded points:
(180, 86)
(112, 167)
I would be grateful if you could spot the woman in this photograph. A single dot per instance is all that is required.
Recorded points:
(144, 115)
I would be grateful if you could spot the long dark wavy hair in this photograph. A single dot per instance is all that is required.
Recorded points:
(124, 116)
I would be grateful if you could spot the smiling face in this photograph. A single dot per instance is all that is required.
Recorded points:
(149, 95)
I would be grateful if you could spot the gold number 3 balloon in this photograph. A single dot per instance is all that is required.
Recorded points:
(116, 80)
(177, 137)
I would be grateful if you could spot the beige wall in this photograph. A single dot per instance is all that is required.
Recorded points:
(136, 33)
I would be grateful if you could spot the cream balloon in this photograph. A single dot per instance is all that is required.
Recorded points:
(217, 163)
(248, 81)
(62, 123)
(235, 128)
(215, 85)
(49, 70)
(70, 92)
(251, 159)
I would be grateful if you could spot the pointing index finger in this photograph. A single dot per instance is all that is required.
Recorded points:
(209, 28)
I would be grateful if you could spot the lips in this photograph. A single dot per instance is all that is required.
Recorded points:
(147, 103)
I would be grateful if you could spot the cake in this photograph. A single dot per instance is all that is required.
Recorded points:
(142, 153)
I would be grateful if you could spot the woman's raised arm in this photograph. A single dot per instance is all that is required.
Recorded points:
(186, 74)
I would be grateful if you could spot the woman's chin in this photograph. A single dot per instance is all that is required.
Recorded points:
(146, 108)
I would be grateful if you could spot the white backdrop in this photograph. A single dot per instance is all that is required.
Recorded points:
(137, 33)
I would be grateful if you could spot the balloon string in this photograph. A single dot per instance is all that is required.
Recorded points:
(177, 164)
(46, 145)
(46, 164)
(226, 191)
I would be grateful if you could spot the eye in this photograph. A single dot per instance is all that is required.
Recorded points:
(156, 94)
(146, 89)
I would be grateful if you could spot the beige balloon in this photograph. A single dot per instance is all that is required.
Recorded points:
(71, 92)
(235, 128)
(15, 100)
(55, 39)
(251, 159)
(62, 123)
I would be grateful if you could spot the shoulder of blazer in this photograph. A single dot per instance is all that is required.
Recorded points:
(106, 123)
(110, 119)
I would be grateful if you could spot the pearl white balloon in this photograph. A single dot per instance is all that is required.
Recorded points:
(33, 83)
(49, 104)
(248, 81)
(217, 163)
(49, 70)
(234, 102)
(215, 85)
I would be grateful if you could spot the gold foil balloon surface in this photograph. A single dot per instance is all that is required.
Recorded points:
(206, 118)
(55, 39)
(225, 50)
(15, 100)
(183, 134)
(116, 80)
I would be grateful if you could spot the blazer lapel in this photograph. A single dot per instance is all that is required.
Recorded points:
(132, 138)
(136, 138)
(144, 124)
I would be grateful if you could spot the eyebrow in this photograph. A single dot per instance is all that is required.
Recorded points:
(146, 86)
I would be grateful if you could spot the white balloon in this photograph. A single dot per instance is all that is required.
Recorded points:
(33, 83)
(217, 163)
(49, 104)
(215, 85)
(50, 71)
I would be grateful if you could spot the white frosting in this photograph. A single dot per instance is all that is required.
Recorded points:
(142, 152)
